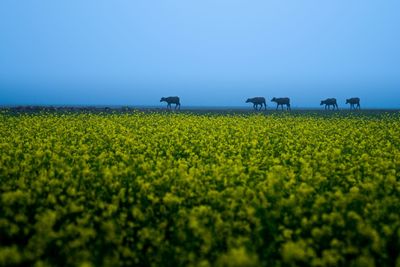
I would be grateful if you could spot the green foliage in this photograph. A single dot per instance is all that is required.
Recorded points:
(199, 190)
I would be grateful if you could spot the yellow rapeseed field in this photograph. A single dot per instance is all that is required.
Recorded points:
(164, 189)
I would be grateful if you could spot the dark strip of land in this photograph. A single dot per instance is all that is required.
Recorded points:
(190, 110)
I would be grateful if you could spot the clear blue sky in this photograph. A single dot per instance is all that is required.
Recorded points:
(209, 52)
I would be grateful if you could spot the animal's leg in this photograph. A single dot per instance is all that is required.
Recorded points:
(288, 107)
(277, 106)
(265, 106)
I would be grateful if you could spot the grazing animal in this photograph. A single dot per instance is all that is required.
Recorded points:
(354, 103)
(171, 100)
(281, 101)
(330, 102)
(257, 101)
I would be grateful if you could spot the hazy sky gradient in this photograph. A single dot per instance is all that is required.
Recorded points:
(209, 52)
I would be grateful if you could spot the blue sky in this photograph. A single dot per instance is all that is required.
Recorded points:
(209, 52)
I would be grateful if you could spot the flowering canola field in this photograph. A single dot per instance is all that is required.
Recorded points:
(199, 190)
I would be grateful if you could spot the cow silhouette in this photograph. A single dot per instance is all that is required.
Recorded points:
(354, 103)
(171, 100)
(330, 102)
(257, 101)
(281, 101)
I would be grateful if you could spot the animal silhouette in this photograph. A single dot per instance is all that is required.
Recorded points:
(281, 101)
(354, 103)
(171, 100)
(257, 101)
(330, 102)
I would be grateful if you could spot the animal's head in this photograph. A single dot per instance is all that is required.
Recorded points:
(273, 99)
(162, 99)
(322, 102)
(248, 100)
(347, 101)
